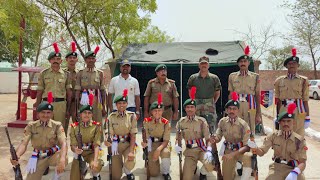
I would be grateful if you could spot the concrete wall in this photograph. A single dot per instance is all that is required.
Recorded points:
(9, 82)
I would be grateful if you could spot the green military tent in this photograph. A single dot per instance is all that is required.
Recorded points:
(182, 61)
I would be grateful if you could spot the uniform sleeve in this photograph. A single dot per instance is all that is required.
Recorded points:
(177, 128)
(134, 128)
(111, 86)
(110, 126)
(166, 134)
(136, 88)
(78, 81)
(68, 81)
(175, 92)
(217, 84)
(73, 139)
(148, 90)
(102, 85)
(302, 152)
(61, 134)
(205, 128)
(27, 133)
(40, 82)
(230, 87)
(97, 136)
(276, 89)
(219, 130)
(246, 135)
(258, 85)
(267, 143)
(305, 90)
(190, 82)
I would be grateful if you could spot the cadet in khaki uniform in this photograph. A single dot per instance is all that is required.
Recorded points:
(91, 134)
(158, 134)
(89, 80)
(123, 129)
(57, 81)
(289, 149)
(194, 131)
(293, 88)
(72, 59)
(45, 135)
(236, 133)
(161, 84)
(208, 91)
(247, 85)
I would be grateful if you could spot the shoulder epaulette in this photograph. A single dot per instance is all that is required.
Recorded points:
(298, 136)
(172, 81)
(75, 124)
(45, 70)
(164, 121)
(96, 123)
(148, 119)
(201, 118)
(130, 112)
(152, 80)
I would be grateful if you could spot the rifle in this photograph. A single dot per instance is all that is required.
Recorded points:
(16, 169)
(180, 153)
(82, 163)
(215, 160)
(109, 157)
(254, 161)
(145, 151)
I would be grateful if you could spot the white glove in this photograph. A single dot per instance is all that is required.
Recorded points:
(114, 148)
(222, 149)
(293, 175)
(177, 148)
(307, 122)
(208, 156)
(252, 144)
(84, 98)
(32, 163)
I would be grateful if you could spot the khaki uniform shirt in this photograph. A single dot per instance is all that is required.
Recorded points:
(168, 91)
(236, 132)
(297, 88)
(43, 138)
(193, 129)
(73, 79)
(90, 134)
(294, 148)
(90, 79)
(122, 126)
(159, 129)
(206, 87)
(248, 84)
(56, 82)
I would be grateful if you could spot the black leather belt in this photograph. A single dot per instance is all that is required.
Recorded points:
(154, 139)
(55, 99)
(291, 163)
(284, 102)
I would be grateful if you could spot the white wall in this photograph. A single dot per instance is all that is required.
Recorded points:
(9, 81)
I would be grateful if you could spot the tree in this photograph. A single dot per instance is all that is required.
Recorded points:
(306, 24)
(277, 56)
(260, 41)
(113, 23)
(11, 15)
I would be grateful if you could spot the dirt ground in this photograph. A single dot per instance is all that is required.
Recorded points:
(8, 102)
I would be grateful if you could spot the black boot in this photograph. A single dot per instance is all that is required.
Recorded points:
(97, 178)
(203, 177)
(46, 171)
(239, 171)
(130, 177)
(166, 176)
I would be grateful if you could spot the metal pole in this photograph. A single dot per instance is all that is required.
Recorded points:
(22, 26)
(181, 95)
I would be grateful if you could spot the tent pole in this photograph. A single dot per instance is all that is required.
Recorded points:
(181, 96)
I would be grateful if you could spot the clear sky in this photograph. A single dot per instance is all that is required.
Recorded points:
(216, 20)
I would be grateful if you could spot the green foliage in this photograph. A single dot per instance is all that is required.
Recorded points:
(11, 14)
(277, 56)
(113, 23)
